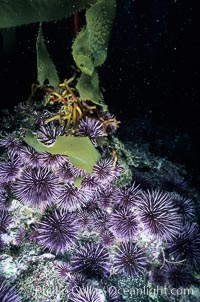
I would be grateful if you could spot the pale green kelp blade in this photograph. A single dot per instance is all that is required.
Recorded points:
(99, 20)
(88, 88)
(89, 49)
(92, 42)
(45, 66)
(19, 12)
(79, 150)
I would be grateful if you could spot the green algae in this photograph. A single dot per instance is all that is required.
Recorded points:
(89, 49)
(21, 12)
(45, 66)
(80, 151)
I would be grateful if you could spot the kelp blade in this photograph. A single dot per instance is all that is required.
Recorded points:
(80, 151)
(20, 12)
(46, 69)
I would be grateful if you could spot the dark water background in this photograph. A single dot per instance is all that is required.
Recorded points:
(151, 79)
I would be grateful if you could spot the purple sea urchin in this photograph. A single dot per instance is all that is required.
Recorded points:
(52, 161)
(10, 170)
(77, 172)
(100, 220)
(158, 276)
(12, 145)
(174, 183)
(63, 270)
(86, 294)
(19, 236)
(158, 214)
(30, 157)
(178, 275)
(75, 282)
(185, 207)
(64, 173)
(186, 246)
(126, 197)
(92, 260)
(103, 171)
(90, 127)
(7, 293)
(112, 294)
(57, 231)
(123, 224)
(72, 198)
(106, 238)
(67, 172)
(84, 218)
(4, 221)
(36, 187)
(129, 259)
(90, 183)
(3, 198)
(105, 197)
(47, 133)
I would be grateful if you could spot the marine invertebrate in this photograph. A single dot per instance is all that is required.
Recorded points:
(8, 293)
(178, 275)
(30, 157)
(52, 161)
(37, 187)
(90, 183)
(76, 171)
(57, 231)
(129, 259)
(158, 214)
(75, 282)
(186, 246)
(90, 127)
(112, 294)
(106, 238)
(86, 294)
(84, 218)
(72, 198)
(100, 220)
(12, 145)
(65, 173)
(63, 270)
(48, 133)
(3, 198)
(92, 260)
(105, 197)
(103, 171)
(110, 123)
(123, 224)
(157, 276)
(185, 207)
(4, 220)
(19, 236)
(126, 197)
(174, 183)
(10, 170)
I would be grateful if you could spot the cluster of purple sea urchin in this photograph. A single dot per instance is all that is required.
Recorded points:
(107, 229)
(8, 293)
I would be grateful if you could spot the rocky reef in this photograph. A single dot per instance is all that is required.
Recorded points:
(102, 221)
